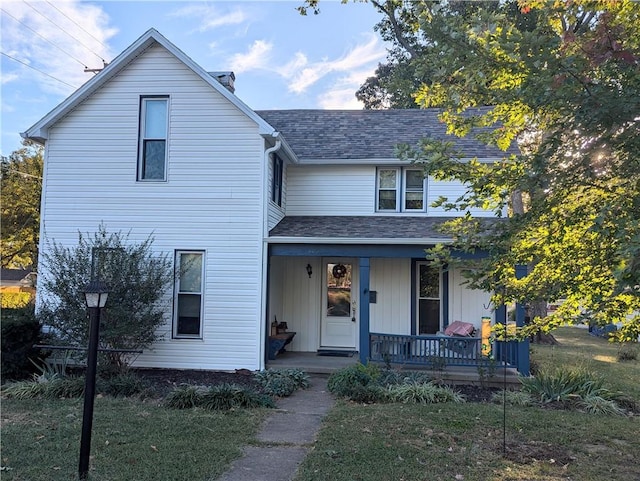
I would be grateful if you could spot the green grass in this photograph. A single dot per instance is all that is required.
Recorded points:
(578, 349)
(465, 441)
(132, 440)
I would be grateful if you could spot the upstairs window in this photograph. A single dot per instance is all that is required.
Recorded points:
(188, 294)
(152, 155)
(400, 189)
(276, 188)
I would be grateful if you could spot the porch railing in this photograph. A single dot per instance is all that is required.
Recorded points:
(438, 351)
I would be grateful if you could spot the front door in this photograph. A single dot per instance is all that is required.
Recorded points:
(339, 305)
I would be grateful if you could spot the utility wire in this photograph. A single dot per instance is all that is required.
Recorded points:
(37, 70)
(59, 48)
(77, 24)
(56, 25)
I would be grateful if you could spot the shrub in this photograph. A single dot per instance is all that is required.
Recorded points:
(344, 381)
(184, 397)
(20, 332)
(137, 278)
(124, 384)
(423, 393)
(513, 398)
(391, 377)
(372, 393)
(282, 382)
(14, 300)
(229, 396)
(47, 388)
(599, 405)
(628, 351)
(570, 387)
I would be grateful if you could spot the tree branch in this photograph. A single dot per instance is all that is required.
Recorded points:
(389, 10)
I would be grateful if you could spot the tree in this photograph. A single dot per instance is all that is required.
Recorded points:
(562, 81)
(21, 185)
(138, 281)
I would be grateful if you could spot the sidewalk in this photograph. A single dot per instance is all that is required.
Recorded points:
(286, 435)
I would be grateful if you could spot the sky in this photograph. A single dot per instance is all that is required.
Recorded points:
(281, 60)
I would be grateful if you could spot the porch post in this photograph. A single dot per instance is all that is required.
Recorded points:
(523, 346)
(364, 309)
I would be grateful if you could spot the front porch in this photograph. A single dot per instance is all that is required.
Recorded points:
(311, 363)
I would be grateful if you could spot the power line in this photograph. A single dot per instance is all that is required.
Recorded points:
(56, 25)
(44, 38)
(77, 24)
(37, 69)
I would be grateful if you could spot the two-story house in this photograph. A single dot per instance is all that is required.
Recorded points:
(306, 216)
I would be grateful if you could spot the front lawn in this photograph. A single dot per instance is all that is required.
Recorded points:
(464, 442)
(132, 440)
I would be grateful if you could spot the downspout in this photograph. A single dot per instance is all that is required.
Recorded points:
(265, 246)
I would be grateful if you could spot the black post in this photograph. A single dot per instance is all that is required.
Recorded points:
(89, 392)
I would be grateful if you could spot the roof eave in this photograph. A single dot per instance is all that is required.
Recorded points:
(359, 240)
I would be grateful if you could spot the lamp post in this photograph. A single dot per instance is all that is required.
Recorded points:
(95, 293)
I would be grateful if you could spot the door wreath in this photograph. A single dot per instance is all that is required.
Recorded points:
(339, 271)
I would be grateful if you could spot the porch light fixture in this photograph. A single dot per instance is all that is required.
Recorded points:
(95, 295)
(309, 270)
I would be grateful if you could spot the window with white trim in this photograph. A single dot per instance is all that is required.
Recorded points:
(188, 296)
(152, 144)
(400, 189)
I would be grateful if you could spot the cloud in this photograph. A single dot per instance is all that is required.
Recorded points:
(257, 57)
(210, 17)
(9, 77)
(366, 54)
(59, 38)
(342, 94)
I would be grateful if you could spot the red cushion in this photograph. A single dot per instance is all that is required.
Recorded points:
(459, 328)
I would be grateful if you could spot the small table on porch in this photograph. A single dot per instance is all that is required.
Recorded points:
(278, 342)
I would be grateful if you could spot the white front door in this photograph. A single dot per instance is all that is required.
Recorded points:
(339, 304)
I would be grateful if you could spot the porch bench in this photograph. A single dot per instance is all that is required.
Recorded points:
(278, 342)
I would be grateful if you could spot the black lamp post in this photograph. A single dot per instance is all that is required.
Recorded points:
(95, 294)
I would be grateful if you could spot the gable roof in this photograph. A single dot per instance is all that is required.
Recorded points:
(39, 131)
(326, 135)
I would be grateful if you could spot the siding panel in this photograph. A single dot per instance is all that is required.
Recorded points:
(211, 200)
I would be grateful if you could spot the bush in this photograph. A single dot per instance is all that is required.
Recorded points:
(230, 396)
(184, 397)
(282, 382)
(137, 278)
(423, 393)
(46, 388)
(124, 384)
(20, 331)
(222, 397)
(573, 388)
(14, 300)
(344, 381)
(628, 351)
(513, 398)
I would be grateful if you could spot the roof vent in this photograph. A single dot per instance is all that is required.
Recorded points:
(226, 79)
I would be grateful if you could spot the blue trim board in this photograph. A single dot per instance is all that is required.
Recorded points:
(361, 250)
(364, 266)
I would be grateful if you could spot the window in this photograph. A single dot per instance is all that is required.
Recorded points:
(428, 299)
(400, 190)
(188, 294)
(152, 155)
(276, 188)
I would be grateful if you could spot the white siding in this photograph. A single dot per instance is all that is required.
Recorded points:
(391, 279)
(211, 200)
(296, 299)
(466, 304)
(351, 190)
(330, 190)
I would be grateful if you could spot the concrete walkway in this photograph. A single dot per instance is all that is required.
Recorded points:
(286, 436)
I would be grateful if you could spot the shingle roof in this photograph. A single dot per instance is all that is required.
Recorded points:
(360, 227)
(365, 134)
